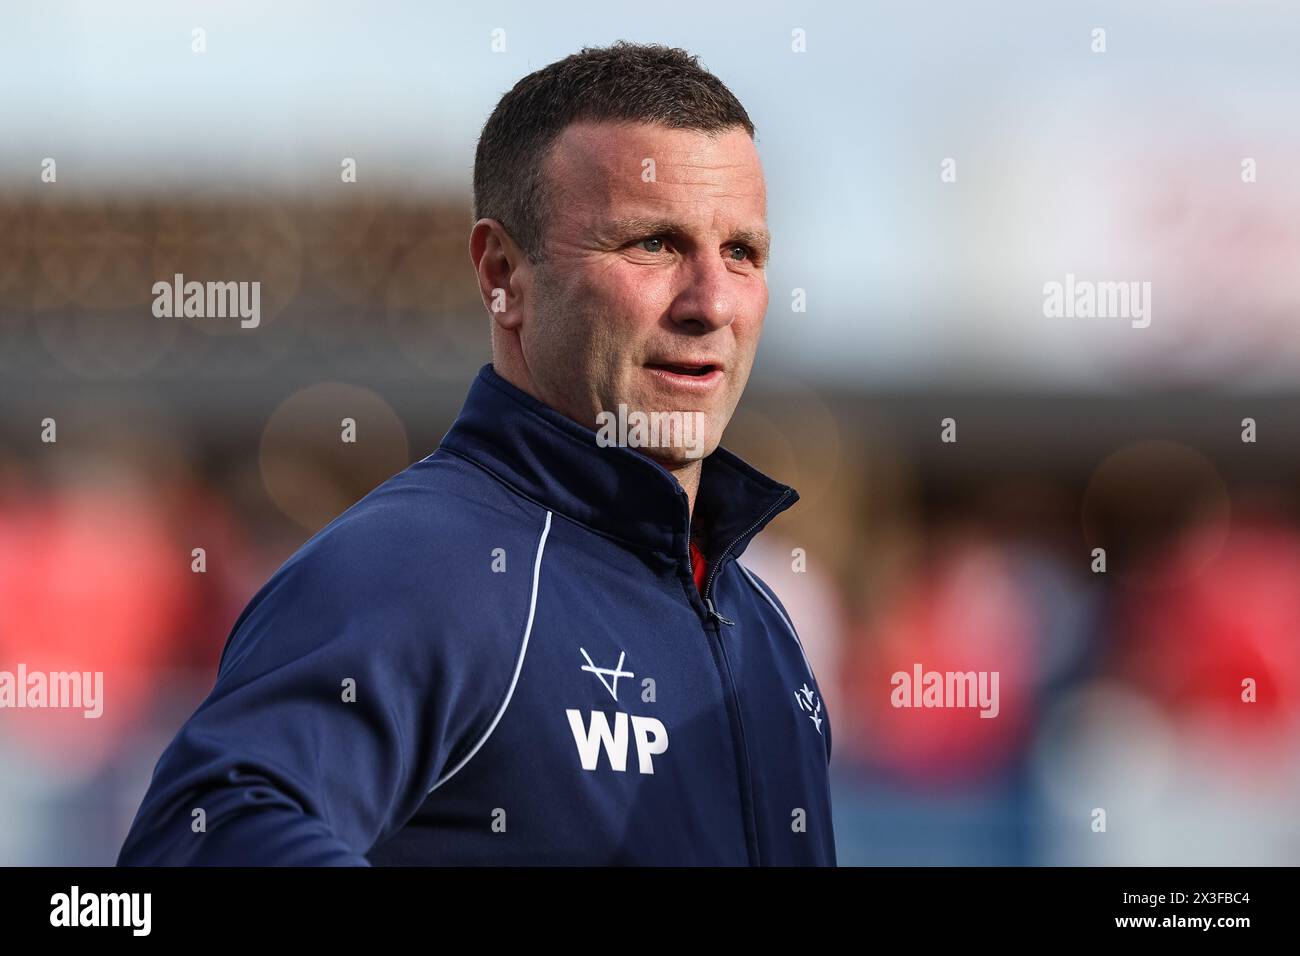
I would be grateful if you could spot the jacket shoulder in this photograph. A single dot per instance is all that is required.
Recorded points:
(768, 595)
(431, 562)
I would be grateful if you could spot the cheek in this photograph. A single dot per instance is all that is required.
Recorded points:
(760, 305)
(616, 314)
(610, 294)
(579, 311)
(641, 296)
(626, 309)
(748, 328)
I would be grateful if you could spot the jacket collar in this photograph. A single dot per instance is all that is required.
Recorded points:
(616, 491)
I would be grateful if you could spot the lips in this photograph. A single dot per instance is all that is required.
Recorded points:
(696, 377)
(697, 369)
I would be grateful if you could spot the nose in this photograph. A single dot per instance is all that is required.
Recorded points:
(709, 296)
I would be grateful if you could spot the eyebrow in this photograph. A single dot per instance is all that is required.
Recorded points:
(632, 227)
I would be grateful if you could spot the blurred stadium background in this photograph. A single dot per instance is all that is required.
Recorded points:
(924, 301)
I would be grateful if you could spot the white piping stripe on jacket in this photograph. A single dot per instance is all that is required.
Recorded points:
(776, 607)
(519, 664)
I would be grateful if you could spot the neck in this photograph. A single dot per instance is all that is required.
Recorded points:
(687, 474)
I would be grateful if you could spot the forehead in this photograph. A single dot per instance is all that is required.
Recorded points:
(595, 167)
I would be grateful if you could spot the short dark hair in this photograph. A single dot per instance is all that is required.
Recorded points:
(635, 82)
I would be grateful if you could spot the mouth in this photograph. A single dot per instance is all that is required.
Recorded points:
(696, 376)
(685, 368)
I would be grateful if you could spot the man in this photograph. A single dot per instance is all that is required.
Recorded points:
(538, 645)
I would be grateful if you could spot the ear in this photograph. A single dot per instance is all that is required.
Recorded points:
(500, 265)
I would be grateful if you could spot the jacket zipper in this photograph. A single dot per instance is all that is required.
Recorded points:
(746, 775)
(712, 624)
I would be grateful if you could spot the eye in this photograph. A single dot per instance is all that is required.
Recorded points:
(743, 248)
(659, 239)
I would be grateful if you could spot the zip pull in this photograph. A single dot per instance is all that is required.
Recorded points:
(713, 612)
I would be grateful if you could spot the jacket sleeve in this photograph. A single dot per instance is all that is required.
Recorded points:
(348, 684)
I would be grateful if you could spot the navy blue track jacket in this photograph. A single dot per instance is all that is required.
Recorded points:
(499, 656)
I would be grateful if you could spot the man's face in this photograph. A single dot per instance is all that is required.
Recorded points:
(652, 288)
